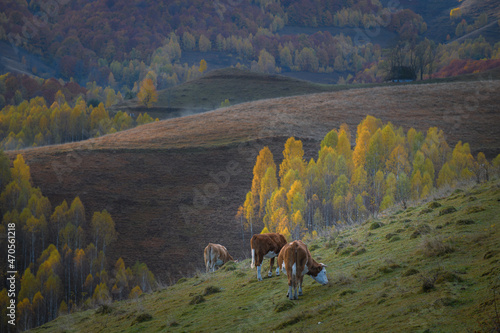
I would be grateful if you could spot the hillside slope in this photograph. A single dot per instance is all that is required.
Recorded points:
(175, 185)
(431, 268)
(207, 92)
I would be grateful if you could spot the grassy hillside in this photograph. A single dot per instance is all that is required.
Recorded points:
(154, 179)
(238, 86)
(430, 268)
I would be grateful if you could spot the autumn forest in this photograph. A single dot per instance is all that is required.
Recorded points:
(100, 80)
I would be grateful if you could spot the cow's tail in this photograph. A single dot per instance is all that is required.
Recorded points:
(253, 259)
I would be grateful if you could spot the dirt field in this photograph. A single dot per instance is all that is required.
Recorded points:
(173, 186)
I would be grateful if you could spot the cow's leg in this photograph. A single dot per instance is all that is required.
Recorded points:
(295, 287)
(271, 264)
(294, 295)
(289, 294)
(277, 270)
(295, 280)
(300, 284)
(258, 263)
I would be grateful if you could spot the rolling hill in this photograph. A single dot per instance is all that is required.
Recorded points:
(239, 86)
(207, 92)
(175, 185)
(431, 268)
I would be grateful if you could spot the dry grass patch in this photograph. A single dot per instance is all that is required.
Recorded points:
(447, 210)
(435, 246)
(422, 229)
(343, 279)
(474, 209)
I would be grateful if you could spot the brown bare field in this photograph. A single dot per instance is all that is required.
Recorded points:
(175, 185)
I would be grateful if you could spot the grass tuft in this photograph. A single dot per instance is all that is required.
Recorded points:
(426, 211)
(447, 276)
(142, 318)
(489, 254)
(358, 251)
(446, 301)
(211, 290)
(348, 251)
(428, 282)
(435, 246)
(386, 269)
(465, 222)
(284, 305)
(410, 272)
(389, 235)
(197, 299)
(376, 225)
(345, 244)
(394, 239)
(422, 229)
(434, 205)
(313, 247)
(474, 209)
(104, 309)
(347, 292)
(229, 266)
(447, 210)
(343, 279)
(293, 319)
(181, 280)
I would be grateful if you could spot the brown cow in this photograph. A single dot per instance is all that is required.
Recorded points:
(216, 255)
(266, 246)
(295, 259)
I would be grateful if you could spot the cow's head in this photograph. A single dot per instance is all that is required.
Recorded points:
(321, 276)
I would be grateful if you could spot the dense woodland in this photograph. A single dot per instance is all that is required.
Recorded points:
(35, 122)
(344, 186)
(61, 255)
(116, 45)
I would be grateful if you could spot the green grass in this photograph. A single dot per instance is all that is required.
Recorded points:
(441, 281)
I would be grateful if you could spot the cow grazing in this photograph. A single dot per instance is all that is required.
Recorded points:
(296, 261)
(266, 246)
(216, 255)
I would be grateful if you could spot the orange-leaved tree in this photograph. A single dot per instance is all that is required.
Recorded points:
(147, 94)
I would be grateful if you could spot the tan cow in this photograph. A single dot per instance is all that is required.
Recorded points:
(216, 255)
(266, 246)
(296, 261)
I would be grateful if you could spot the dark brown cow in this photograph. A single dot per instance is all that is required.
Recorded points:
(266, 246)
(216, 255)
(295, 259)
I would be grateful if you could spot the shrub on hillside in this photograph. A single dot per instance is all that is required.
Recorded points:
(434, 205)
(435, 246)
(447, 210)
(142, 318)
(422, 229)
(474, 209)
